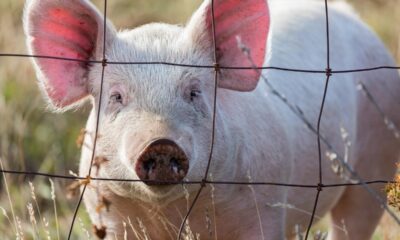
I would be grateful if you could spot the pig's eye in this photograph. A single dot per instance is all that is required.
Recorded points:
(116, 98)
(116, 101)
(194, 93)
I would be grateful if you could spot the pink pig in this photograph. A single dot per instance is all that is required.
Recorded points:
(156, 120)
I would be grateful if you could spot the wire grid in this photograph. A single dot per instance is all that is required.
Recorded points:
(319, 186)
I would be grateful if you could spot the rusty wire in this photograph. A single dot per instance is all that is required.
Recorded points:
(321, 110)
(103, 65)
(276, 68)
(216, 72)
(216, 67)
(215, 182)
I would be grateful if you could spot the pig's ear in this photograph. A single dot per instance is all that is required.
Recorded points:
(247, 20)
(67, 29)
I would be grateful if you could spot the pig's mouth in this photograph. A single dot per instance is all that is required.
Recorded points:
(162, 163)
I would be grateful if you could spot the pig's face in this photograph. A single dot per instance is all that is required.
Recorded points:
(155, 120)
(147, 104)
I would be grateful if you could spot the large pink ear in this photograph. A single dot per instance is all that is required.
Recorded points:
(244, 20)
(68, 29)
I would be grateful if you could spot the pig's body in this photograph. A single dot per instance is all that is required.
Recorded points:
(269, 143)
(257, 139)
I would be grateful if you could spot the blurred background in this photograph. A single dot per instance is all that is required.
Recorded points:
(34, 139)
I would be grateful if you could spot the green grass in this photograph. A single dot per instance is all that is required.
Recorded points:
(34, 139)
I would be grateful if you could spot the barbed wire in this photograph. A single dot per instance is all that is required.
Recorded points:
(204, 181)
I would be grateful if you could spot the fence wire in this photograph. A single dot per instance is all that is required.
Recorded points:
(321, 111)
(319, 186)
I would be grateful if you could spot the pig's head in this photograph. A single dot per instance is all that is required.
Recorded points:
(155, 120)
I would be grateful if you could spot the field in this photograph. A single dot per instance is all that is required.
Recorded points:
(34, 139)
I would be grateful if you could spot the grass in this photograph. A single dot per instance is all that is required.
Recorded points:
(34, 139)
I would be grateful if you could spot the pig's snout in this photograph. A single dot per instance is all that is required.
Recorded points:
(162, 161)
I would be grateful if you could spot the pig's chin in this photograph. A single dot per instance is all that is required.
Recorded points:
(165, 194)
(160, 194)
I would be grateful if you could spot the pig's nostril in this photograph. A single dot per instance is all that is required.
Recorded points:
(162, 160)
(174, 165)
(149, 165)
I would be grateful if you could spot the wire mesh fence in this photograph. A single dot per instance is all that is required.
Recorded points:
(356, 180)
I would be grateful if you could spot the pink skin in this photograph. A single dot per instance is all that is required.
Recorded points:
(64, 38)
(256, 137)
(227, 26)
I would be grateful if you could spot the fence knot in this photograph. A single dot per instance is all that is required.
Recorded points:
(86, 180)
(320, 186)
(328, 72)
(104, 62)
(217, 67)
(203, 182)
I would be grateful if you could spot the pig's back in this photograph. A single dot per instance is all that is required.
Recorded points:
(298, 40)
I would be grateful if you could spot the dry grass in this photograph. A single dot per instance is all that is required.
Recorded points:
(33, 139)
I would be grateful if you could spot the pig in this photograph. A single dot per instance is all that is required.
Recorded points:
(156, 120)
